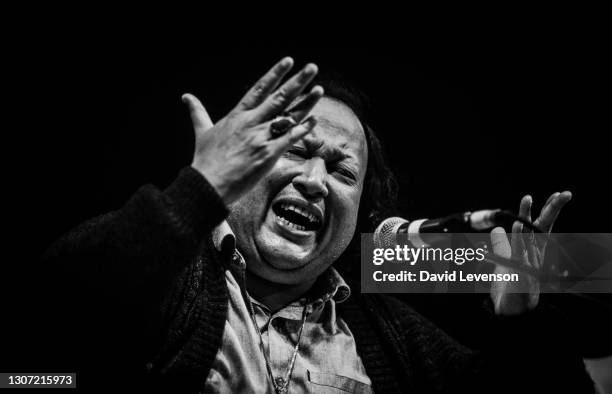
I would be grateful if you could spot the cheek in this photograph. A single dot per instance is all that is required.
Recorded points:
(249, 208)
(346, 205)
(266, 188)
(279, 176)
(344, 217)
(253, 206)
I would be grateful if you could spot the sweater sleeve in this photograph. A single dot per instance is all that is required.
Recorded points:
(102, 288)
(136, 251)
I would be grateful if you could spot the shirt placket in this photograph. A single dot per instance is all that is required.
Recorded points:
(280, 352)
(279, 334)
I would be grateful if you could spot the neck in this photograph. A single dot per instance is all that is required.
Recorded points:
(275, 296)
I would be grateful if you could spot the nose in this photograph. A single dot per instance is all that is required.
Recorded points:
(312, 181)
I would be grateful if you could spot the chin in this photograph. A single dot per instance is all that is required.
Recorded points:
(282, 261)
(282, 254)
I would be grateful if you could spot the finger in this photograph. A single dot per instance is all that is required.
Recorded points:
(283, 96)
(281, 144)
(546, 206)
(554, 195)
(525, 209)
(199, 116)
(542, 241)
(266, 85)
(517, 243)
(500, 244)
(529, 241)
(550, 212)
(301, 110)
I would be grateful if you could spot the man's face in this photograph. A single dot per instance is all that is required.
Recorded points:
(302, 215)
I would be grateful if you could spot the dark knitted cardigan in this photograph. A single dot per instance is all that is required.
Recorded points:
(146, 311)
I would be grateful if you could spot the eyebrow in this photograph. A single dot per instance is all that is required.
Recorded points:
(335, 153)
(331, 153)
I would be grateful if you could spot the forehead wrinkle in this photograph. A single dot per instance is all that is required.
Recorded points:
(326, 122)
(330, 152)
(323, 121)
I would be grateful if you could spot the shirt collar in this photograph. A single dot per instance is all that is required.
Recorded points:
(329, 285)
(224, 238)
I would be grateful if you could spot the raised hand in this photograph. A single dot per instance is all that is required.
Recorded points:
(512, 298)
(241, 148)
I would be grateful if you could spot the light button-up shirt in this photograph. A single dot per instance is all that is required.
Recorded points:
(327, 361)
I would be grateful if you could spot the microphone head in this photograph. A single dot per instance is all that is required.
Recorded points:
(385, 235)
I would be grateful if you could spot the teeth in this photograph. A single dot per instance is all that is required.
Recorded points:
(287, 223)
(290, 207)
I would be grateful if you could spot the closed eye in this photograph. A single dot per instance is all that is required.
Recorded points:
(347, 174)
(297, 152)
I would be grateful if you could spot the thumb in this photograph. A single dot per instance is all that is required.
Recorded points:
(199, 116)
(500, 243)
(502, 302)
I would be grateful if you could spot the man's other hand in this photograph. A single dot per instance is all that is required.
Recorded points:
(513, 298)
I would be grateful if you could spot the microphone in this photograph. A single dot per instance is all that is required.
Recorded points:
(429, 232)
(426, 232)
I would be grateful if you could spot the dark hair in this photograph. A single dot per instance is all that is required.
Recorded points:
(379, 196)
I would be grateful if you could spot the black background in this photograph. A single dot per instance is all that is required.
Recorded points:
(467, 126)
(470, 118)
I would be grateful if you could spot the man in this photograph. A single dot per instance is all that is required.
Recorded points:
(230, 268)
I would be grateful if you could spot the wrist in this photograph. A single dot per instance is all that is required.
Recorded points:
(213, 180)
(195, 203)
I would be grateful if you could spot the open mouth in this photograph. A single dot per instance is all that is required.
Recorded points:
(296, 217)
